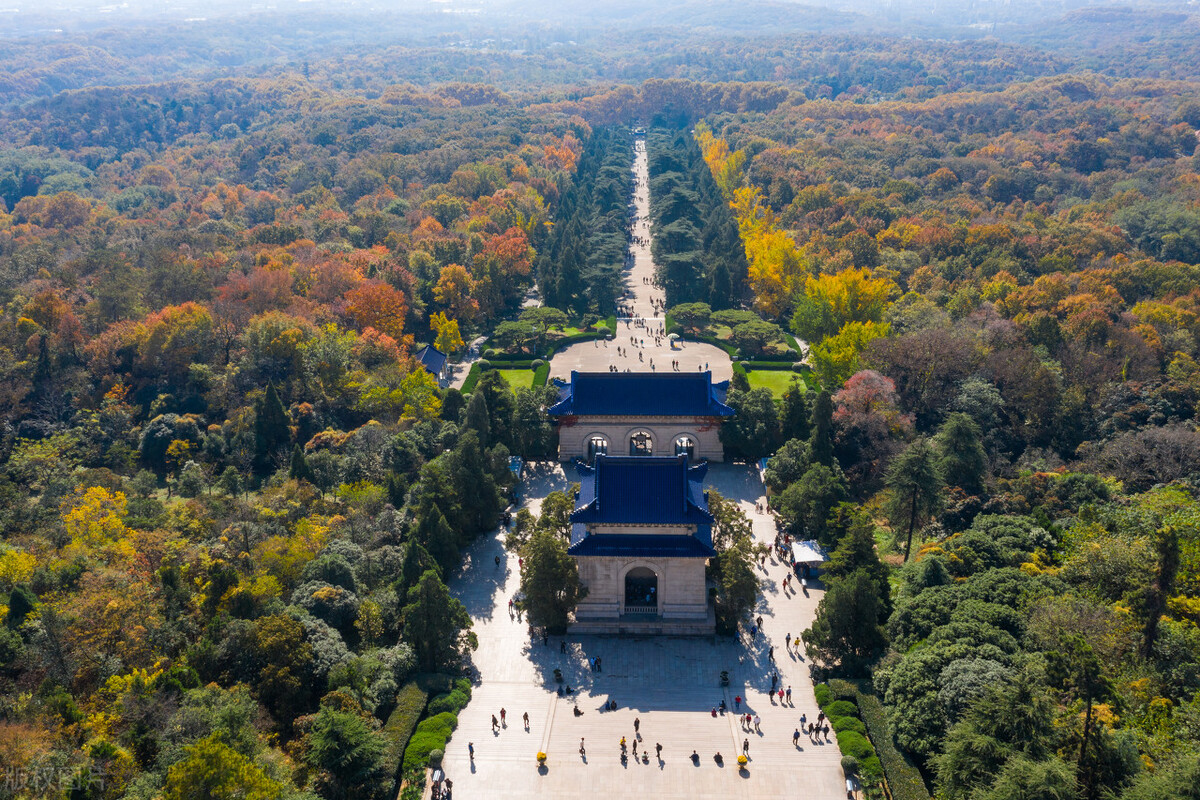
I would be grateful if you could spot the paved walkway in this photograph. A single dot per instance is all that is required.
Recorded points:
(670, 683)
(646, 320)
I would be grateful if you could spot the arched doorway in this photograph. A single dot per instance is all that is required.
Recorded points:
(597, 446)
(641, 444)
(641, 591)
(685, 446)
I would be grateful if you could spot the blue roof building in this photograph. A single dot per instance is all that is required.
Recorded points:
(641, 533)
(641, 414)
(433, 360)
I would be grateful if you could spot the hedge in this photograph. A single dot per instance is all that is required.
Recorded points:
(841, 708)
(780, 366)
(850, 743)
(541, 375)
(496, 363)
(903, 779)
(410, 704)
(472, 378)
(434, 731)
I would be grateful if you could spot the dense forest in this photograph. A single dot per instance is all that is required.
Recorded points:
(230, 498)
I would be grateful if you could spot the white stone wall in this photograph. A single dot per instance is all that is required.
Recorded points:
(682, 593)
(573, 438)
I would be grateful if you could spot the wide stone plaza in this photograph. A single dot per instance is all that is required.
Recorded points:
(670, 683)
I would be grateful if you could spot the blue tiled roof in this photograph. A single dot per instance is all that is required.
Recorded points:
(647, 394)
(642, 490)
(431, 359)
(642, 545)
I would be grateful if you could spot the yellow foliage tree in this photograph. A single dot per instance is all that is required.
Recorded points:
(449, 339)
(97, 519)
(16, 566)
(836, 358)
(419, 395)
(832, 301)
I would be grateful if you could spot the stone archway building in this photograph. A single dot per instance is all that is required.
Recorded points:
(641, 414)
(641, 534)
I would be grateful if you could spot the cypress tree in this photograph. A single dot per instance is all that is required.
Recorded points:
(915, 485)
(271, 431)
(822, 429)
(794, 419)
(476, 418)
(962, 459)
(300, 470)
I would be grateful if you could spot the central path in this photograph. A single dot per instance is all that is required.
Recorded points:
(670, 684)
(637, 316)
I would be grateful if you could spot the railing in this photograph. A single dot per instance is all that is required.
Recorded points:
(640, 609)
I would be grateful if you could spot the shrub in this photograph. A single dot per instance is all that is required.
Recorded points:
(491, 352)
(435, 757)
(850, 743)
(537, 363)
(849, 765)
(484, 364)
(843, 690)
(823, 695)
(472, 378)
(855, 724)
(799, 366)
(841, 708)
(452, 702)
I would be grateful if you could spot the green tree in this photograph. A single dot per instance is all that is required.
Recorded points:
(436, 624)
(737, 583)
(789, 463)
(821, 445)
(415, 563)
(211, 770)
(477, 417)
(856, 552)
(1166, 545)
(794, 417)
(271, 431)
(807, 503)
(694, 317)
(549, 581)
(350, 753)
(300, 471)
(754, 429)
(1022, 779)
(434, 535)
(961, 457)
(914, 489)
(846, 635)
(755, 336)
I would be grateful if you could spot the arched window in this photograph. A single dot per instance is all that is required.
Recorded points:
(685, 446)
(641, 591)
(640, 444)
(597, 446)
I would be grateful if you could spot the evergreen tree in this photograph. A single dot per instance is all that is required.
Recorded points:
(549, 581)
(271, 431)
(477, 418)
(754, 429)
(856, 551)
(846, 635)
(794, 417)
(821, 448)
(453, 405)
(344, 747)
(436, 625)
(1166, 545)
(914, 489)
(961, 457)
(300, 471)
(416, 562)
(435, 535)
(500, 408)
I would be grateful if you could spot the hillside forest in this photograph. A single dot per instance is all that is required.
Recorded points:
(230, 498)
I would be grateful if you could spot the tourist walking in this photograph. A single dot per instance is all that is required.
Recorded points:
(582, 749)
(637, 723)
(503, 716)
(796, 737)
(495, 723)
(525, 719)
(737, 703)
(745, 747)
(658, 751)
(789, 694)
(757, 721)
(471, 750)
(787, 641)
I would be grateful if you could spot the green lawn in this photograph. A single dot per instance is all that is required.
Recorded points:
(777, 380)
(516, 378)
